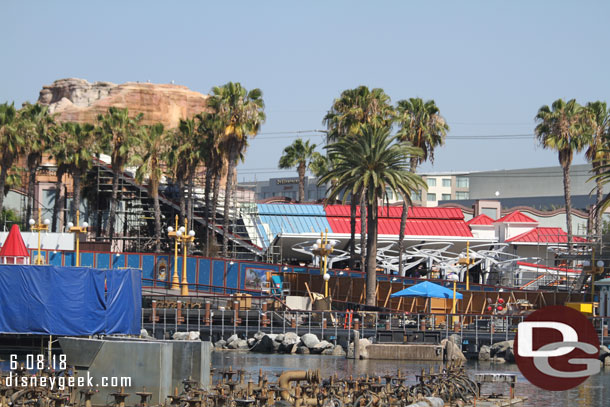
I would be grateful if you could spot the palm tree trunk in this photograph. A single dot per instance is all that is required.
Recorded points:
(76, 182)
(566, 191)
(598, 198)
(371, 255)
(363, 213)
(113, 203)
(216, 191)
(401, 238)
(32, 165)
(353, 206)
(301, 170)
(3, 174)
(58, 197)
(228, 194)
(157, 209)
(181, 199)
(403, 225)
(189, 207)
(206, 206)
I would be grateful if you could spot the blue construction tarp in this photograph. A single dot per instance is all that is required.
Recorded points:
(427, 290)
(72, 301)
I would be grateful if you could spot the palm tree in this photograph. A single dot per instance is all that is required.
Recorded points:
(59, 152)
(118, 134)
(300, 155)
(348, 115)
(598, 116)
(241, 113)
(11, 143)
(371, 164)
(148, 157)
(421, 125)
(560, 128)
(79, 150)
(210, 134)
(37, 126)
(190, 154)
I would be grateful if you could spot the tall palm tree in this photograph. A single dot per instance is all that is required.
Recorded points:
(11, 143)
(300, 155)
(209, 129)
(241, 113)
(421, 125)
(118, 134)
(598, 116)
(348, 115)
(38, 127)
(560, 128)
(148, 157)
(59, 152)
(372, 164)
(191, 155)
(80, 149)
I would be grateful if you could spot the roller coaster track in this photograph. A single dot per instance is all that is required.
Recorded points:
(129, 180)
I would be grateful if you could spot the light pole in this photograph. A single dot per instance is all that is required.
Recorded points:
(78, 230)
(39, 227)
(323, 248)
(171, 232)
(467, 261)
(185, 239)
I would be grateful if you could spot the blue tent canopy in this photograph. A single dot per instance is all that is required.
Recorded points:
(427, 290)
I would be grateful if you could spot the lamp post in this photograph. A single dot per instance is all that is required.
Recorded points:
(323, 248)
(185, 239)
(172, 233)
(39, 227)
(467, 261)
(78, 230)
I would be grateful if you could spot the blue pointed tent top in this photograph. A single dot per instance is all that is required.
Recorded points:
(427, 290)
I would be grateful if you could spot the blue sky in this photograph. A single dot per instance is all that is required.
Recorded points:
(489, 65)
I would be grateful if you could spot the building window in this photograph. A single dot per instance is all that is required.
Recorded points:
(446, 197)
(431, 182)
(462, 182)
(416, 196)
(462, 195)
(447, 182)
(431, 197)
(389, 194)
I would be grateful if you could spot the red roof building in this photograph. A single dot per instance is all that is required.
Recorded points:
(420, 221)
(544, 235)
(516, 217)
(13, 250)
(482, 220)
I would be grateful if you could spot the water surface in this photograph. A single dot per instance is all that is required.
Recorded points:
(593, 392)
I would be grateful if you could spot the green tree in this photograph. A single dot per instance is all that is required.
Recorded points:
(421, 125)
(11, 143)
(598, 119)
(210, 130)
(241, 113)
(38, 128)
(118, 134)
(560, 128)
(77, 154)
(348, 116)
(372, 163)
(300, 155)
(148, 157)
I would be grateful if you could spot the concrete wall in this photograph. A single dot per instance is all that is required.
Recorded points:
(158, 366)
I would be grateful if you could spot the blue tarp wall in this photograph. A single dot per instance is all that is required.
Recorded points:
(74, 301)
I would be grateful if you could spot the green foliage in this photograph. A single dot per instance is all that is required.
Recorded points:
(298, 153)
(374, 162)
(9, 216)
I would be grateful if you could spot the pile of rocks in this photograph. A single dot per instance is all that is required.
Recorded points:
(499, 352)
(282, 343)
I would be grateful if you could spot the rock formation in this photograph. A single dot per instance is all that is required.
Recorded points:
(81, 101)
